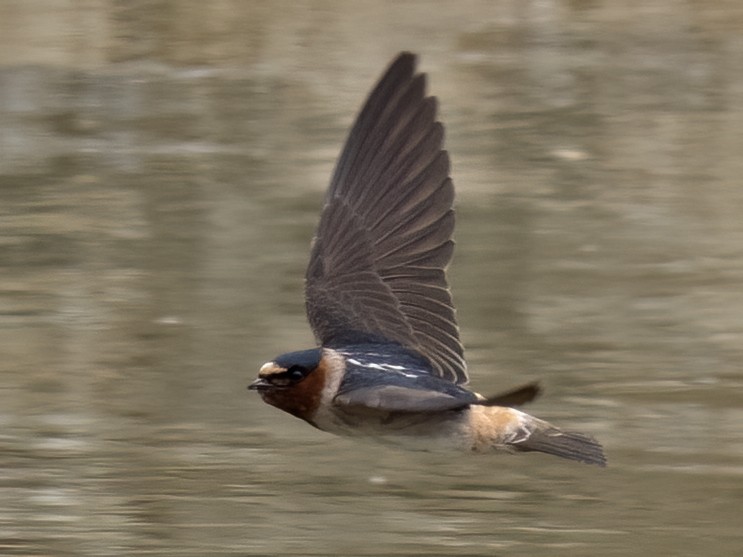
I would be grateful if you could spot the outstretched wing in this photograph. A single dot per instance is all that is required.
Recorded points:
(377, 267)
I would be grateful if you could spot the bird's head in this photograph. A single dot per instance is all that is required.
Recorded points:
(292, 382)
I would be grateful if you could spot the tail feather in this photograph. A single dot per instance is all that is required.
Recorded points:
(515, 397)
(565, 444)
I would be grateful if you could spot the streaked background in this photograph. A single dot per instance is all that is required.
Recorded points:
(162, 165)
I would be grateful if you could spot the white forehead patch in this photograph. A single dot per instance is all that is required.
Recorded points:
(270, 368)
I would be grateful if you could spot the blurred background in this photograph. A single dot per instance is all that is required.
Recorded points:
(162, 167)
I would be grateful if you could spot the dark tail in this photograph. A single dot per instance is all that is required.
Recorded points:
(514, 397)
(565, 444)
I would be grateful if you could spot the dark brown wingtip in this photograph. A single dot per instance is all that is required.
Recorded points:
(565, 444)
(407, 59)
(515, 397)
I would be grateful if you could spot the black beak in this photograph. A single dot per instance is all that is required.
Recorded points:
(259, 384)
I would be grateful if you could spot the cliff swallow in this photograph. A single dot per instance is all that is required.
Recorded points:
(390, 365)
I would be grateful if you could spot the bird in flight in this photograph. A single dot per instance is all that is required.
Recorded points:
(390, 365)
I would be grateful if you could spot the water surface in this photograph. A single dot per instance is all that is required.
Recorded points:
(161, 172)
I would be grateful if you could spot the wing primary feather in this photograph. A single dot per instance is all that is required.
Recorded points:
(381, 97)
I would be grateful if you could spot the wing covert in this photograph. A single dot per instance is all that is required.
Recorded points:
(397, 398)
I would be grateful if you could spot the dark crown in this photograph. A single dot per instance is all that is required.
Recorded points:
(306, 359)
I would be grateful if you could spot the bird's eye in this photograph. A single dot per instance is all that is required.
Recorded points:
(296, 373)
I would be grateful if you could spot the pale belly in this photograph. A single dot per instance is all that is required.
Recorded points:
(447, 431)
